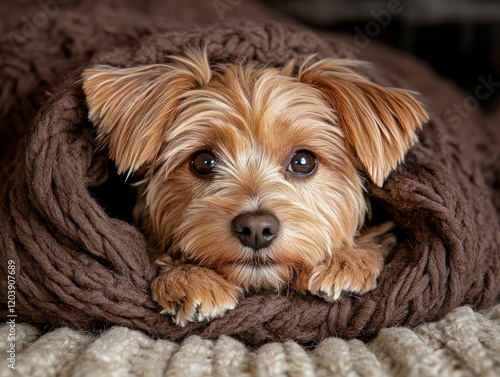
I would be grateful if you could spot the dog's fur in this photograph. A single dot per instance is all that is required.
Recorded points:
(253, 119)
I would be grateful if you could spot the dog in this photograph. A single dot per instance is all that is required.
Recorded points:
(252, 177)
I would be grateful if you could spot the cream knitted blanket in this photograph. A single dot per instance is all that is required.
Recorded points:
(464, 343)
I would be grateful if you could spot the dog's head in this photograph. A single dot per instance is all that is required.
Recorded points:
(248, 170)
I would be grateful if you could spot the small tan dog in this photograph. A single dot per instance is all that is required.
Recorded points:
(252, 177)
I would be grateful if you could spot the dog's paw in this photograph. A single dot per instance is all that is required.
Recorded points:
(354, 273)
(194, 294)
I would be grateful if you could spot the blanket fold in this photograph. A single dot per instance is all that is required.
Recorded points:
(76, 265)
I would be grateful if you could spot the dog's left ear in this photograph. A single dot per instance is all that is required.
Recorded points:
(379, 123)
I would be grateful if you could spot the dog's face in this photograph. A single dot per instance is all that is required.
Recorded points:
(253, 172)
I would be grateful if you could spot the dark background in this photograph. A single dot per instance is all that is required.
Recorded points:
(460, 39)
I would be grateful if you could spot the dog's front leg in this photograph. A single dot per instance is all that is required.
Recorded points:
(350, 269)
(190, 293)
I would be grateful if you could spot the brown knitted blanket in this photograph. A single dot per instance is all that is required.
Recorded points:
(76, 265)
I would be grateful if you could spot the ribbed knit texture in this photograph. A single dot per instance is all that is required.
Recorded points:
(463, 344)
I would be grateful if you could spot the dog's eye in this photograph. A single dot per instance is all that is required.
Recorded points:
(303, 163)
(203, 163)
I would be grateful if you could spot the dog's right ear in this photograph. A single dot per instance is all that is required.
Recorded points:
(132, 108)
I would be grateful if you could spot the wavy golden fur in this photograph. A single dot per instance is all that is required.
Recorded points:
(253, 119)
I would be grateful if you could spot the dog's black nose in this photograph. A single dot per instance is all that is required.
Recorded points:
(256, 230)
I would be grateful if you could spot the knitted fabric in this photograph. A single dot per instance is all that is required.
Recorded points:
(464, 343)
(77, 265)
